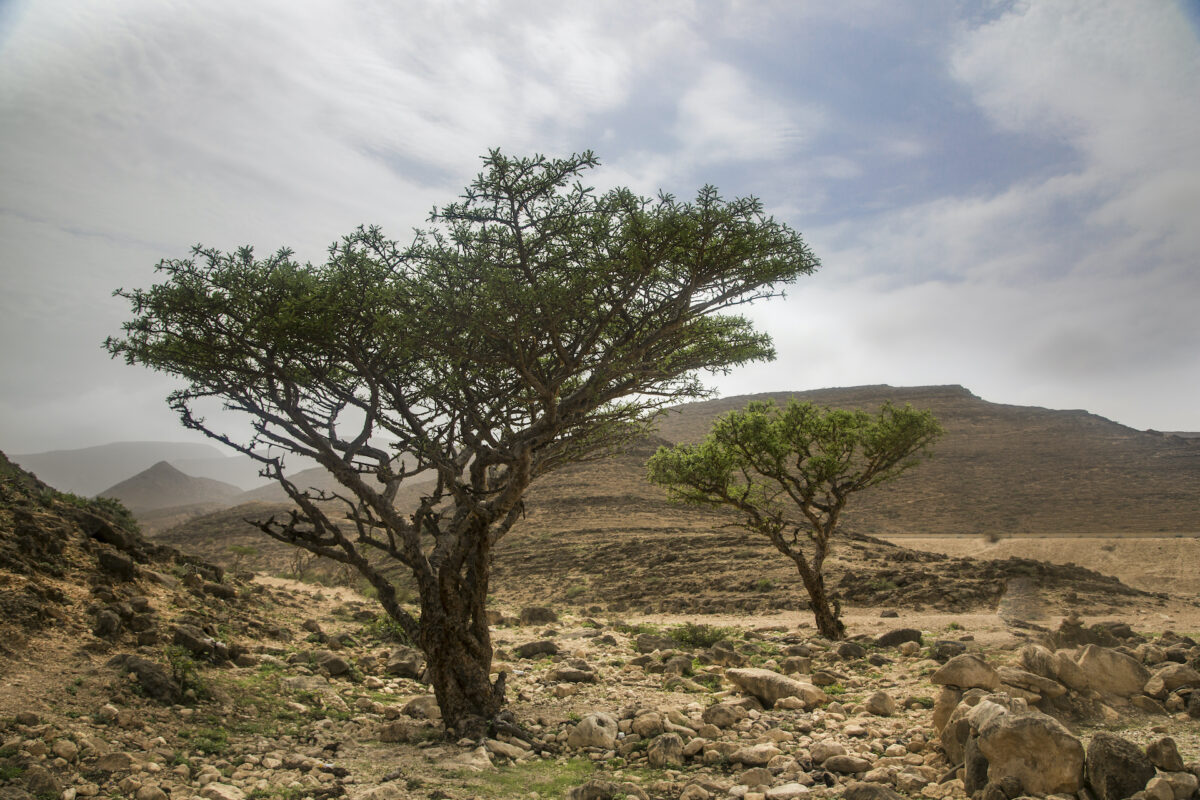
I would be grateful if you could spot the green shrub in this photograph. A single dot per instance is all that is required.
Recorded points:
(690, 634)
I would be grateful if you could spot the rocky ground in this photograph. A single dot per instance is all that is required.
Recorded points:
(269, 689)
(129, 670)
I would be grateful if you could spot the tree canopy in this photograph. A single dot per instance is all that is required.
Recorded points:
(790, 471)
(534, 322)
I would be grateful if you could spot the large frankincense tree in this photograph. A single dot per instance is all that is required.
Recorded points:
(535, 322)
(789, 472)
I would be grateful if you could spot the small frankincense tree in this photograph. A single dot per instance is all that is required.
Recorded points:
(535, 323)
(789, 472)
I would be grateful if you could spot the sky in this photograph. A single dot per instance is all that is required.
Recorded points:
(1003, 195)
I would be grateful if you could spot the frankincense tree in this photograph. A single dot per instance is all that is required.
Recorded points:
(535, 322)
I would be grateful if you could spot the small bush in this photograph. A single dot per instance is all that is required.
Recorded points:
(690, 634)
(764, 585)
(184, 670)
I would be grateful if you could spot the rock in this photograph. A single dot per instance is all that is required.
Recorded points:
(943, 650)
(40, 781)
(397, 731)
(595, 789)
(756, 776)
(967, 671)
(665, 751)
(1175, 676)
(114, 762)
(947, 700)
(869, 791)
(695, 792)
(537, 615)
(880, 704)
(542, 647)
(473, 760)
(503, 749)
(649, 642)
(108, 624)
(331, 662)
(222, 791)
(391, 790)
(1068, 672)
(894, 638)
(787, 791)
(850, 650)
(1111, 672)
(826, 749)
(1038, 660)
(150, 792)
(796, 664)
(423, 707)
(723, 715)
(1031, 682)
(756, 755)
(65, 749)
(648, 725)
(1147, 704)
(153, 678)
(1158, 788)
(195, 641)
(595, 730)
(119, 566)
(1183, 784)
(406, 662)
(1164, 754)
(571, 675)
(1034, 748)
(846, 764)
(770, 686)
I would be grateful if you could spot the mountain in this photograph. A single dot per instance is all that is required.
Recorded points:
(163, 486)
(91, 469)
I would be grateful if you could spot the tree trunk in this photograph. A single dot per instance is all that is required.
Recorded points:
(826, 615)
(459, 670)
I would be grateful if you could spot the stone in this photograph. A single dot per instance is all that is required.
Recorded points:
(504, 749)
(222, 791)
(1031, 682)
(1183, 784)
(894, 638)
(331, 662)
(152, 677)
(1158, 788)
(406, 662)
(150, 792)
(1068, 673)
(944, 649)
(595, 789)
(796, 664)
(194, 640)
(108, 624)
(909, 648)
(826, 749)
(537, 615)
(1112, 672)
(665, 751)
(595, 730)
(65, 749)
(571, 675)
(650, 642)
(770, 686)
(1164, 754)
(723, 715)
(859, 790)
(542, 647)
(967, 671)
(756, 755)
(756, 776)
(850, 650)
(1175, 676)
(1036, 749)
(787, 791)
(695, 792)
(476, 759)
(648, 725)
(114, 762)
(40, 781)
(422, 707)
(119, 566)
(880, 704)
(1038, 660)
(947, 700)
(846, 764)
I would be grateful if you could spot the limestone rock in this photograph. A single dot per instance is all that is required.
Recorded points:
(222, 791)
(723, 715)
(894, 638)
(770, 686)
(1164, 754)
(859, 790)
(594, 730)
(406, 662)
(967, 671)
(542, 647)
(537, 615)
(1111, 672)
(880, 704)
(665, 751)
(757, 755)
(1036, 749)
(846, 764)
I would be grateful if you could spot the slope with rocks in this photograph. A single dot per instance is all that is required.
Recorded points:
(163, 486)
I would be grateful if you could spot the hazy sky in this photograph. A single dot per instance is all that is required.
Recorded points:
(1004, 195)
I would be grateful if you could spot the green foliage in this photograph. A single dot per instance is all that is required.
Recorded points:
(638, 629)
(10, 772)
(384, 628)
(693, 635)
(546, 778)
(764, 585)
(208, 740)
(185, 670)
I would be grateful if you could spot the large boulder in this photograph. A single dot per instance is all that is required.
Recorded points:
(1112, 672)
(770, 687)
(1035, 749)
(665, 751)
(1116, 767)
(594, 730)
(967, 671)
(1171, 677)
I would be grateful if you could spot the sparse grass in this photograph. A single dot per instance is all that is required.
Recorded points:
(835, 690)
(550, 778)
(10, 772)
(637, 630)
(210, 741)
(764, 585)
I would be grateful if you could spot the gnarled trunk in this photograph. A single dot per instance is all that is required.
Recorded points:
(459, 667)
(825, 612)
